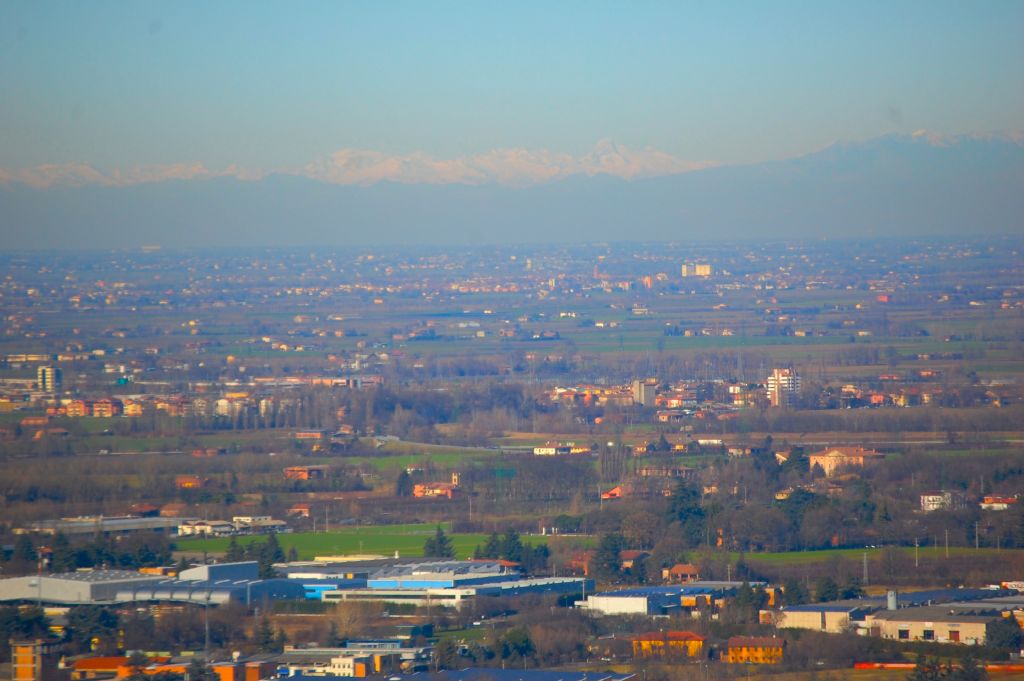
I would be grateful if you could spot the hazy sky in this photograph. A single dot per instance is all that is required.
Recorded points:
(268, 86)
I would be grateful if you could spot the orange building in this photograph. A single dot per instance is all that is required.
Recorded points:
(36, 660)
(668, 643)
(189, 482)
(447, 490)
(134, 407)
(681, 572)
(300, 509)
(305, 472)
(755, 650)
(434, 490)
(104, 667)
(107, 407)
(77, 408)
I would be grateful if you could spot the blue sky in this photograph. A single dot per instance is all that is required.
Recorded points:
(279, 85)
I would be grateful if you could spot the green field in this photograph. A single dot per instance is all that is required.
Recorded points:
(929, 552)
(408, 541)
(376, 539)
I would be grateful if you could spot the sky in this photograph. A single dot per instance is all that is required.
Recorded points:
(522, 92)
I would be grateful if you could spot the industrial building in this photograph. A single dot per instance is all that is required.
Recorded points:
(934, 623)
(948, 615)
(660, 600)
(457, 596)
(833, 618)
(96, 586)
(207, 584)
(106, 525)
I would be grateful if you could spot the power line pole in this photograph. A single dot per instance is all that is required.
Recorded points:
(865, 568)
(206, 623)
(947, 543)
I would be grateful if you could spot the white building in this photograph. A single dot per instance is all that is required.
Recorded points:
(940, 501)
(783, 386)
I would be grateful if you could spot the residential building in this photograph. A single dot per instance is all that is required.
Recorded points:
(941, 500)
(306, 472)
(681, 572)
(258, 524)
(997, 503)
(668, 472)
(49, 379)
(695, 270)
(552, 449)
(206, 528)
(311, 434)
(838, 459)
(754, 650)
(107, 407)
(644, 392)
(300, 509)
(668, 644)
(77, 408)
(783, 386)
(447, 490)
(189, 481)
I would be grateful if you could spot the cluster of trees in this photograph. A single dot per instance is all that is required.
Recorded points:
(105, 630)
(509, 546)
(265, 553)
(131, 552)
(438, 546)
(20, 623)
(542, 636)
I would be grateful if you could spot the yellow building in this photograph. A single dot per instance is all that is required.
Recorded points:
(35, 660)
(838, 459)
(668, 643)
(755, 650)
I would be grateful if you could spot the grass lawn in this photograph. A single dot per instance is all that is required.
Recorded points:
(379, 539)
(804, 557)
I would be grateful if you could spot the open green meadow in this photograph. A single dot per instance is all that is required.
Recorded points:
(407, 540)
(929, 552)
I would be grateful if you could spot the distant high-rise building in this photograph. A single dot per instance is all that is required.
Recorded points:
(643, 393)
(49, 379)
(696, 270)
(783, 386)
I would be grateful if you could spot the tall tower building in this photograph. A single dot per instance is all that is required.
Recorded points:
(783, 387)
(49, 379)
(35, 660)
(643, 393)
